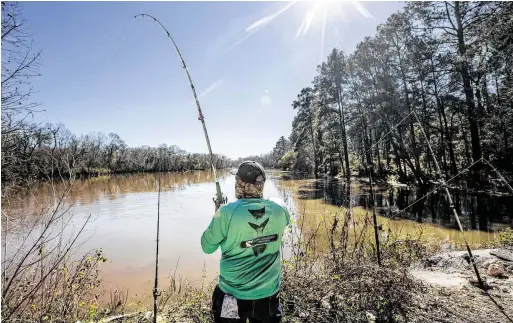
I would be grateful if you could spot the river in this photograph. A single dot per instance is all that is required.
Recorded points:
(124, 213)
(123, 223)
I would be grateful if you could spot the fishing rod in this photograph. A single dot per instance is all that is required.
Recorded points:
(219, 199)
(219, 195)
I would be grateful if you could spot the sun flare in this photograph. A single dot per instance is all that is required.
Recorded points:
(313, 13)
(318, 12)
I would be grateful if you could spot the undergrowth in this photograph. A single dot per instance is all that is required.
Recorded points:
(331, 275)
(342, 284)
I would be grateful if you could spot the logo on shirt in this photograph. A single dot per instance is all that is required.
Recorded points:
(259, 244)
(258, 213)
(259, 241)
(257, 250)
(259, 228)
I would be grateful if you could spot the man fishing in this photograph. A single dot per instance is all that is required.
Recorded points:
(249, 232)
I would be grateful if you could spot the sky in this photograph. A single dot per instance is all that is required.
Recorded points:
(103, 70)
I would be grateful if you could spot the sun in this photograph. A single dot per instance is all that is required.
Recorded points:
(317, 11)
(312, 13)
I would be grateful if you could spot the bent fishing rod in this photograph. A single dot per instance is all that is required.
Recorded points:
(219, 195)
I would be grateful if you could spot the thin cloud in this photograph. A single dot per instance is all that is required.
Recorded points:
(240, 41)
(362, 9)
(211, 88)
(303, 29)
(261, 23)
(264, 21)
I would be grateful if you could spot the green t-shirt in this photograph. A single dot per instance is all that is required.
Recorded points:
(249, 232)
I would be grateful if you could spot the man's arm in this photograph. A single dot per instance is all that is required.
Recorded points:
(215, 233)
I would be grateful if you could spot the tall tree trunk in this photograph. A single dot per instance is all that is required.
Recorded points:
(378, 155)
(486, 95)
(367, 133)
(400, 172)
(450, 145)
(499, 102)
(416, 157)
(341, 160)
(466, 144)
(424, 113)
(467, 88)
(442, 141)
(320, 151)
(441, 110)
(316, 170)
(480, 115)
(387, 149)
(343, 131)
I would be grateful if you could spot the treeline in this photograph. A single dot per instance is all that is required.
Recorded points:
(32, 151)
(272, 160)
(38, 152)
(449, 63)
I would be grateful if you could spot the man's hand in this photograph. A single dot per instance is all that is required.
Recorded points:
(219, 203)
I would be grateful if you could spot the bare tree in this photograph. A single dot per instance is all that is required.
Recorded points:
(20, 63)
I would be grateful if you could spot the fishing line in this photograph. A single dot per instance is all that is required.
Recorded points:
(120, 41)
(436, 188)
(156, 293)
(451, 204)
(498, 173)
(385, 135)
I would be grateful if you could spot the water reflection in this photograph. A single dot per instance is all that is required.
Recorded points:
(86, 191)
(478, 211)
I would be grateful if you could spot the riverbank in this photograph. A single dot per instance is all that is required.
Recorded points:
(336, 241)
(440, 288)
(336, 278)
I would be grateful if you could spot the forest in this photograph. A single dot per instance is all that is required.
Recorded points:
(444, 67)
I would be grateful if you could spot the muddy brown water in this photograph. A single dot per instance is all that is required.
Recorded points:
(123, 224)
(124, 212)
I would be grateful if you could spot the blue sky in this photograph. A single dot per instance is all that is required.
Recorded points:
(103, 71)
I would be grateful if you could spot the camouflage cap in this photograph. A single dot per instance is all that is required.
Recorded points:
(250, 172)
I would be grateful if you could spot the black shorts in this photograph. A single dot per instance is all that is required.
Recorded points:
(228, 309)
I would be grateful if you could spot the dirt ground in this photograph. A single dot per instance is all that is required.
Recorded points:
(452, 293)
